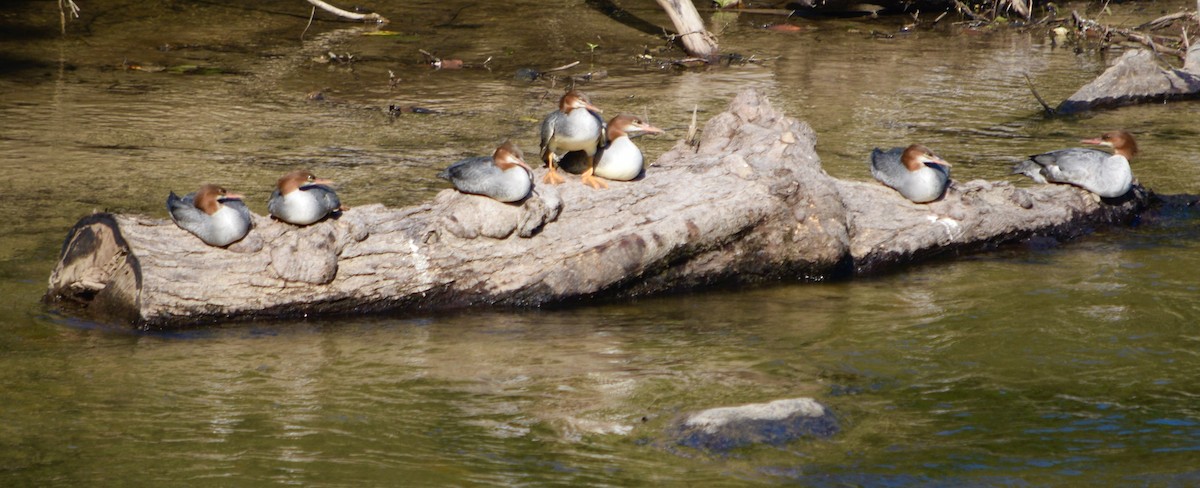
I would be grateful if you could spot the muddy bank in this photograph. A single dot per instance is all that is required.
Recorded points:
(750, 203)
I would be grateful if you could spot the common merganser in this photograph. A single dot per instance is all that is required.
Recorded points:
(217, 217)
(504, 176)
(575, 126)
(301, 198)
(621, 160)
(1099, 172)
(915, 171)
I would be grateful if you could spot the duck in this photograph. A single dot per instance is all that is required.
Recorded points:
(301, 198)
(575, 126)
(914, 171)
(1106, 175)
(217, 217)
(504, 176)
(620, 159)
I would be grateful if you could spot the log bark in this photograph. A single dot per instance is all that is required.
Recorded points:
(1137, 78)
(749, 203)
(697, 41)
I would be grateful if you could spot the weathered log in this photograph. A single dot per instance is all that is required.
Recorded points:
(1137, 78)
(750, 203)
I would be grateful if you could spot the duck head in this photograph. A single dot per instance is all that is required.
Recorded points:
(917, 156)
(509, 155)
(628, 125)
(1120, 141)
(210, 197)
(575, 99)
(296, 179)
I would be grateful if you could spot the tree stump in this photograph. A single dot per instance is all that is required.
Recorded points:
(749, 203)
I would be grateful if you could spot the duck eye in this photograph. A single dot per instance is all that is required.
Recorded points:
(311, 177)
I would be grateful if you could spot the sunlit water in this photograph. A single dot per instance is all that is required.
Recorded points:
(1070, 365)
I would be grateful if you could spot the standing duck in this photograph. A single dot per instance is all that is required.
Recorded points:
(575, 126)
(504, 176)
(915, 171)
(217, 217)
(301, 198)
(621, 160)
(1099, 172)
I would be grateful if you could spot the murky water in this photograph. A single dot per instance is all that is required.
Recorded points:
(1066, 366)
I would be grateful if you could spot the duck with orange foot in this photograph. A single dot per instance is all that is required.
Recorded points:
(217, 217)
(504, 176)
(621, 160)
(575, 126)
(301, 198)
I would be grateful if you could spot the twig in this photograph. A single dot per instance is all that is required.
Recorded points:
(691, 137)
(1045, 106)
(560, 68)
(1164, 20)
(1155, 43)
(63, 5)
(309, 24)
(349, 15)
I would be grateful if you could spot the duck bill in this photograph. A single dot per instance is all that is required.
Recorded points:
(233, 196)
(940, 161)
(649, 129)
(320, 181)
(1095, 141)
(593, 108)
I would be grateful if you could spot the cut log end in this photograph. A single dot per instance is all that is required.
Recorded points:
(97, 272)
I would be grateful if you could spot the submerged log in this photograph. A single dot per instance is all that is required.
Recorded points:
(1136, 77)
(749, 203)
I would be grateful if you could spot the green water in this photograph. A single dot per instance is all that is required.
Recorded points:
(1030, 366)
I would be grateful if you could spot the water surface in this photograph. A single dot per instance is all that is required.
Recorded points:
(1068, 365)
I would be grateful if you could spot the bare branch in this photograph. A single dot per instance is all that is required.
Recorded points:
(371, 17)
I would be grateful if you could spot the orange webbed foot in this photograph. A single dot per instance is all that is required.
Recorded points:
(553, 178)
(593, 181)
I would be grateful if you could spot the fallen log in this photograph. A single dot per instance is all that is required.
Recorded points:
(749, 203)
(1136, 77)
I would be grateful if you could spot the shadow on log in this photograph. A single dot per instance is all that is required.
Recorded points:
(1136, 77)
(750, 203)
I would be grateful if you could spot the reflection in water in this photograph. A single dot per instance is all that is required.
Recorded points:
(1025, 366)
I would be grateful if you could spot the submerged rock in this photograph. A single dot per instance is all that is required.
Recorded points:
(775, 423)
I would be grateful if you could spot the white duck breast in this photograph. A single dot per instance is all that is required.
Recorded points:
(304, 206)
(621, 160)
(229, 224)
(576, 131)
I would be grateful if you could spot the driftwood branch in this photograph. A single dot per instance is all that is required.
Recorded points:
(697, 41)
(749, 203)
(371, 17)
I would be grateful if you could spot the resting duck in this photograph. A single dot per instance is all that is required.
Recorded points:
(575, 126)
(504, 176)
(915, 171)
(217, 217)
(301, 198)
(1099, 172)
(621, 160)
